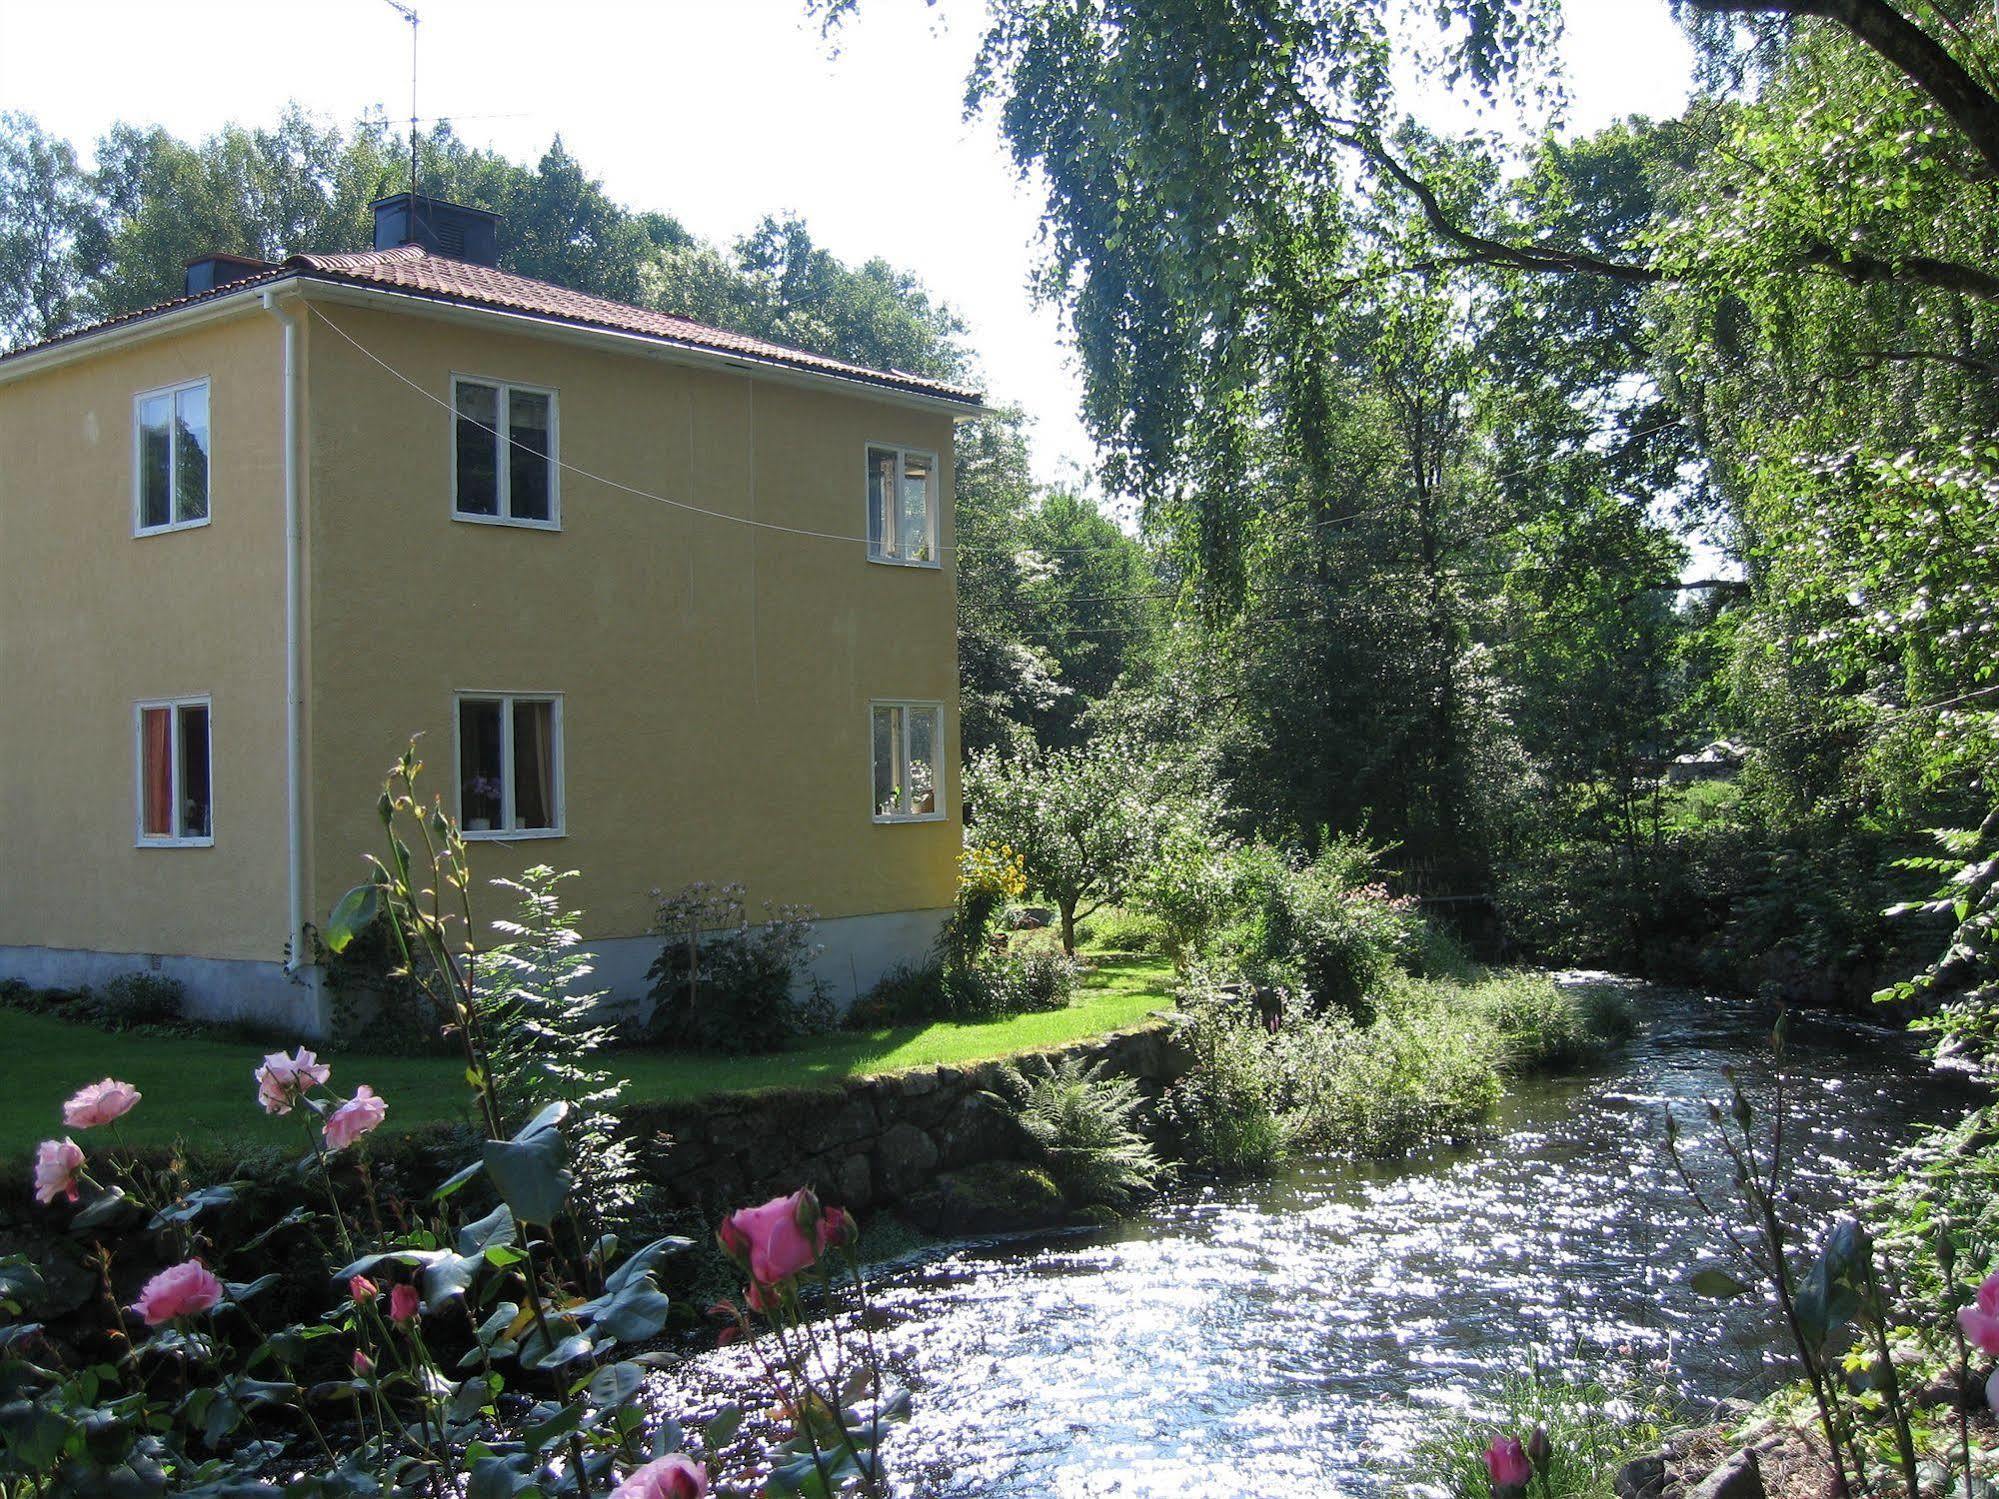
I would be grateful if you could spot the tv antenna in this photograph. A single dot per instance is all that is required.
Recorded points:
(415, 21)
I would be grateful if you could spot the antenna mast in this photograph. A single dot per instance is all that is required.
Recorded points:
(415, 20)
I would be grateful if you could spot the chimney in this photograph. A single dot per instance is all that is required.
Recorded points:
(209, 272)
(453, 229)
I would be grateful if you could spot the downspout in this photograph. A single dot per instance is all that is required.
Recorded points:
(294, 776)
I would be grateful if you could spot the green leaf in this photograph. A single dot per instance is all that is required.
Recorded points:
(1718, 1284)
(501, 1478)
(497, 1227)
(355, 913)
(531, 1174)
(106, 1210)
(186, 1209)
(555, 1428)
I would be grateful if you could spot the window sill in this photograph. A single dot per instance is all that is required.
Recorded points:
(507, 520)
(178, 525)
(881, 821)
(208, 842)
(507, 835)
(937, 566)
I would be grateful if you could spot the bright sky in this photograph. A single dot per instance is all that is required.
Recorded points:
(717, 111)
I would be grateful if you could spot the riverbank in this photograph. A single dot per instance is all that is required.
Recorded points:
(1320, 1324)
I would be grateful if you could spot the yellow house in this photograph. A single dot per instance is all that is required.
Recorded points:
(666, 604)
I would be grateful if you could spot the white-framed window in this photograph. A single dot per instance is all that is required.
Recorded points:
(908, 748)
(509, 764)
(176, 799)
(902, 505)
(504, 465)
(170, 449)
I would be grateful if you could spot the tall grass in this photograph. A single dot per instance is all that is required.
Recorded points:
(1429, 1065)
(1592, 1432)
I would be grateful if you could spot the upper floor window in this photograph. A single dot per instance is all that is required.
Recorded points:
(509, 766)
(503, 453)
(902, 505)
(175, 803)
(170, 451)
(908, 741)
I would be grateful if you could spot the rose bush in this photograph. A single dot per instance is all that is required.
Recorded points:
(475, 1341)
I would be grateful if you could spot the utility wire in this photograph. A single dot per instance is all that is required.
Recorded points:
(772, 526)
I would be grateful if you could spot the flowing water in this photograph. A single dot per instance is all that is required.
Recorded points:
(1296, 1337)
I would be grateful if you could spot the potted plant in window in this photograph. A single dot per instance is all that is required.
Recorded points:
(482, 800)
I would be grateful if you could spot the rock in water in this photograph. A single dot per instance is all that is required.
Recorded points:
(1741, 1477)
(1641, 1478)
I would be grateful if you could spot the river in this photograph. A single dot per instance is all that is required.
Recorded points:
(1296, 1337)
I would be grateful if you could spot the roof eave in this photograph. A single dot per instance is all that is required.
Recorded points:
(228, 301)
(329, 286)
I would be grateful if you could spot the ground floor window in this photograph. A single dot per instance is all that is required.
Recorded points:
(908, 740)
(176, 803)
(509, 765)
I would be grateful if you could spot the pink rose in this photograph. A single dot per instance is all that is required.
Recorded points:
(1988, 1294)
(1506, 1461)
(835, 1227)
(354, 1118)
(57, 1163)
(99, 1103)
(183, 1290)
(1981, 1328)
(404, 1305)
(363, 1289)
(777, 1240)
(362, 1363)
(674, 1476)
(283, 1080)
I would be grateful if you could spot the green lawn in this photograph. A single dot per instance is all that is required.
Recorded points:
(202, 1090)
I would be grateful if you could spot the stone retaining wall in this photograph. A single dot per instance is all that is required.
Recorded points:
(872, 1142)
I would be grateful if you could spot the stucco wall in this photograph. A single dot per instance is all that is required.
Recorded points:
(94, 619)
(715, 678)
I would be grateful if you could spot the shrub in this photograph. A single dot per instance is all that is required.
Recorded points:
(1426, 1067)
(1125, 931)
(1321, 928)
(1084, 1125)
(906, 992)
(723, 983)
(134, 999)
(1223, 1110)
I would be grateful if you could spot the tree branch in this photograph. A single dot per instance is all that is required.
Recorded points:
(1493, 251)
(1858, 269)
(1920, 57)
(1966, 362)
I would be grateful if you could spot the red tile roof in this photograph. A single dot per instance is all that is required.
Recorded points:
(414, 271)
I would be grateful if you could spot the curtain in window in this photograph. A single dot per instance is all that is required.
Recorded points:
(913, 524)
(156, 773)
(534, 765)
